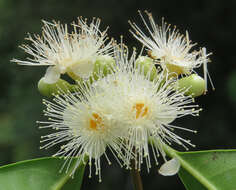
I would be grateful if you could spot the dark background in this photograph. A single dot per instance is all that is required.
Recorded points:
(210, 23)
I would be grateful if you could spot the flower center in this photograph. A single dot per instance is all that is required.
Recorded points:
(95, 122)
(140, 109)
(175, 68)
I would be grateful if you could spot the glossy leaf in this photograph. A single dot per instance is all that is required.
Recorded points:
(40, 174)
(213, 170)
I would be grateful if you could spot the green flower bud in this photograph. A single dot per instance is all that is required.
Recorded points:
(49, 89)
(104, 64)
(146, 64)
(195, 83)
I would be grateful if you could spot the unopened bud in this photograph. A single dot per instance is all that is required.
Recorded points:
(147, 66)
(48, 89)
(103, 66)
(194, 83)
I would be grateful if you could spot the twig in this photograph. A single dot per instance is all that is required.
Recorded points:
(137, 181)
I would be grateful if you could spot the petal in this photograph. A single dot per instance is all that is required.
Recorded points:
(52, 75)
(83, 69)
(170, 168)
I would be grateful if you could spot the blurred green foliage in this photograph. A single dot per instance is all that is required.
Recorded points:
(210, 23)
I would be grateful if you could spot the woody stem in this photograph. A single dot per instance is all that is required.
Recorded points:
(136, 178)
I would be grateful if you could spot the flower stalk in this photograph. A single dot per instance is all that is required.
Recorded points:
(136, 178)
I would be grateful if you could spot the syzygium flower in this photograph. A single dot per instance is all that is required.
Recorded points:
(172, 50)
(84, 127)
(73, 53)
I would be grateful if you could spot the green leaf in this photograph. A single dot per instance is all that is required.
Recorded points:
(40, 174)
(206, 170)
(213, 170)
(189, 181)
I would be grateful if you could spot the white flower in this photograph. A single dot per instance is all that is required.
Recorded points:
(145, 109)
(85, 128)
(172, 50)
(72, 53)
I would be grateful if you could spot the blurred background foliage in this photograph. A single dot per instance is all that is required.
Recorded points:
(210, 23)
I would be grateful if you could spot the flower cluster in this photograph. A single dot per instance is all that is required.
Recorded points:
(120, 103)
